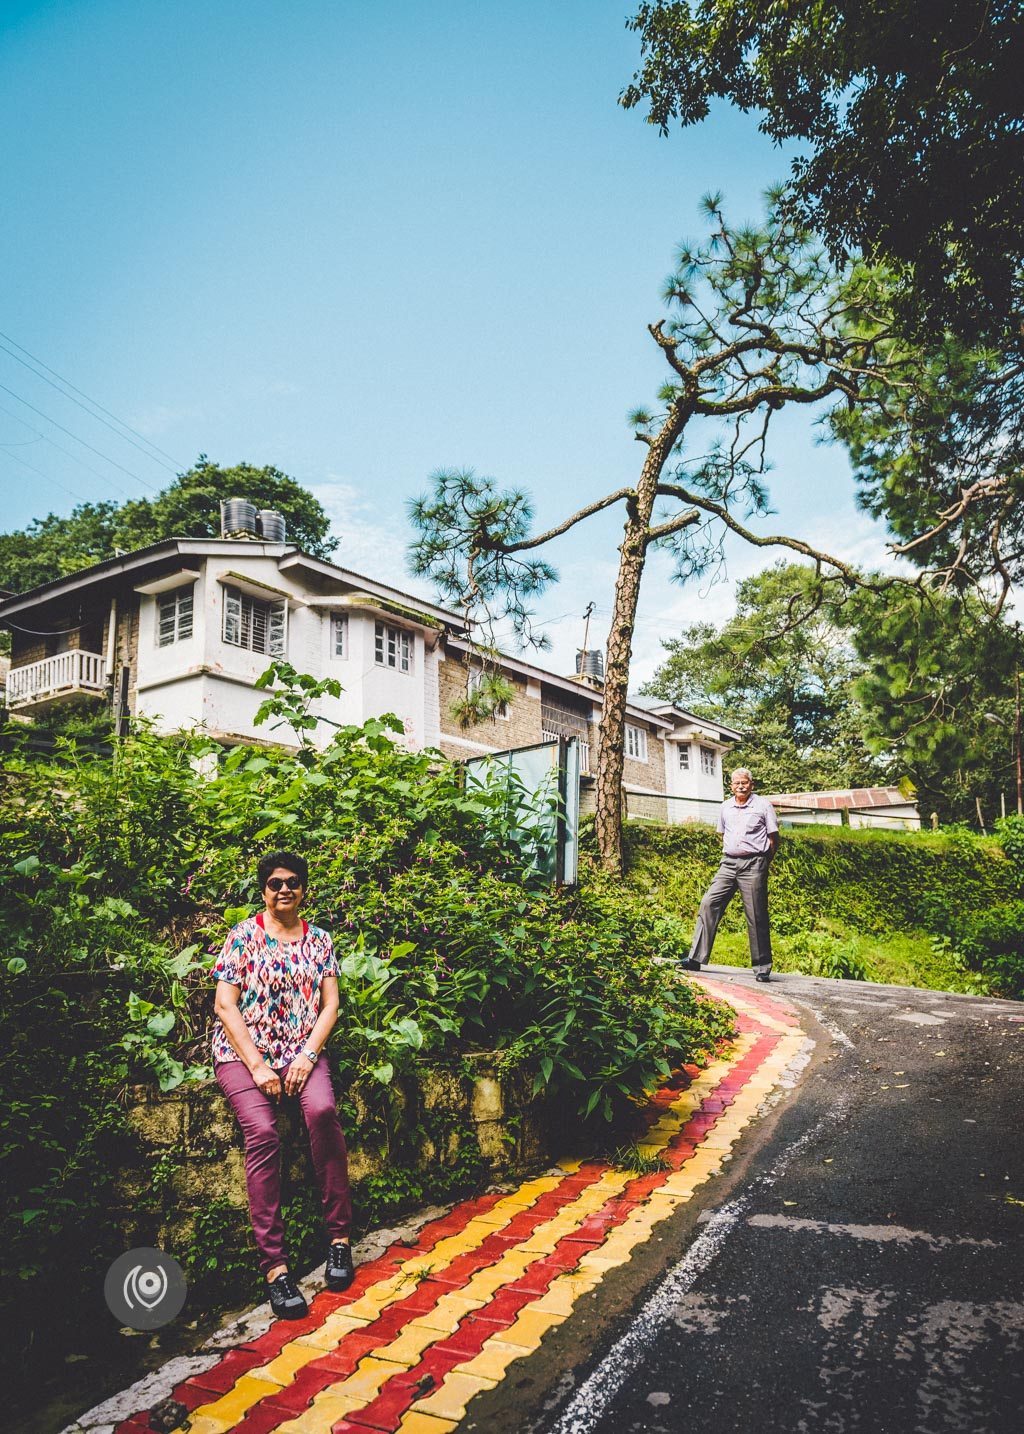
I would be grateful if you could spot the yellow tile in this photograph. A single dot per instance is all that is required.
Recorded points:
(322, 1415)
(225, 1412)
(363, 1309)
(369, 1377)
(333, 1330)
(450, 1400)
(447, 1313)
(558, 1300)
(281, 1369)
(385, 1292)
(407, 1348)
(416, 1423)
(493, 1360)
(529, 1327)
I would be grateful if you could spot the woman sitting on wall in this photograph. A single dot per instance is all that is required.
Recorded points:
(277, 1002)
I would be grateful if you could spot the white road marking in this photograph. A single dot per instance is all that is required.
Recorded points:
(591, 1401)
(894, 1234)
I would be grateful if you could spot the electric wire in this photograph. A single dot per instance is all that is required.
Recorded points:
(92, 401)
(99, 454)
(55, 481)
(60, 449)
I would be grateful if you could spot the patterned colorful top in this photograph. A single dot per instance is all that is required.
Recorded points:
(280, 983)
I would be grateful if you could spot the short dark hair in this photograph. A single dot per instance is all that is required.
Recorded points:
(273, 859)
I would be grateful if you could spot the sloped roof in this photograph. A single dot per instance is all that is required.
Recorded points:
(853, 798)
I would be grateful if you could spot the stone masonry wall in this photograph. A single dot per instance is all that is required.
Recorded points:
(187, 1151)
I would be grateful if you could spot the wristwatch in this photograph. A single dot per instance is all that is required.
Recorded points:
(312, 1055)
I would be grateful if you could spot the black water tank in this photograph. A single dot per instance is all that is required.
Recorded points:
(237, 518)
(271, 525)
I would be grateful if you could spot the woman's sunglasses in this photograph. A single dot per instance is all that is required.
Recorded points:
(275, 883)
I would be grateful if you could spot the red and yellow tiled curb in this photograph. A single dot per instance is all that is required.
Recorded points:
(423, 1329)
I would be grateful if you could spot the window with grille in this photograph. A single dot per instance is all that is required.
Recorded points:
(339, 634)
(684, 758)
(174, 616)
(708, 761)
(392, 647)
(636, 743)
(253, 624)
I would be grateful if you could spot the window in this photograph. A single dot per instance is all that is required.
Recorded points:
(684, 757)
(255, 625)
(392, 647)
(174, 616)
(636, 743)
(339, 635)
(708, 761)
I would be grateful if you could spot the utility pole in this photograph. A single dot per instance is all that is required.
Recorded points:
(586, 637)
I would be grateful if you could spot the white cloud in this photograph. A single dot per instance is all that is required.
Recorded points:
(370, 542)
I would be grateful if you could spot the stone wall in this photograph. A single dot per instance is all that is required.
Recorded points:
(186, 1150)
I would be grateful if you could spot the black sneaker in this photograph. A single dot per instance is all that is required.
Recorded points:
(762, 976)
(690, 965)
(339, 1272)
(286, 1299)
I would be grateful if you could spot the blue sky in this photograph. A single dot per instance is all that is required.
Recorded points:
(362, 243)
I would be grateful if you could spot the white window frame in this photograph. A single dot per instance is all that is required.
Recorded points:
(179, 606)
(473, 681)
(253, 624)
(339, 634)
(684, 756)
(709, 761)
(392, 647)
(636, 742)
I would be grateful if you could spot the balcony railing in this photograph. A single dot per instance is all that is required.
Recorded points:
(66, 675)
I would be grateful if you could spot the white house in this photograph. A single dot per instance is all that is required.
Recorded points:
(179, 632)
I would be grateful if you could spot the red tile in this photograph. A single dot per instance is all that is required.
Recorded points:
(384, 1414)
(262, 1418)
(342, 1361)
(227, 1372)
(504, 1307)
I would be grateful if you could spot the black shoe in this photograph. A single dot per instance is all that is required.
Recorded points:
(691, 965)
(762, 976)
(286, 1299)
(339, 1271)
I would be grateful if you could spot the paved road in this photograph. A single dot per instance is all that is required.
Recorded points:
(860, 1268)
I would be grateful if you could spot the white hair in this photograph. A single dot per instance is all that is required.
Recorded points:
(743, 772)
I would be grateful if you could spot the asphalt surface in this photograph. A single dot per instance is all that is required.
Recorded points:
(859, 1267)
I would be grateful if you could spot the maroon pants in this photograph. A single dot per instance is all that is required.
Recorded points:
(256, 1114)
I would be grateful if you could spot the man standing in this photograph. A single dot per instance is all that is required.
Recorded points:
(750, 838)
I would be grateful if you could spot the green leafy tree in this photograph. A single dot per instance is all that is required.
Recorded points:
(909, 118)
(781, 670)
(52, 547)
(756, 322)
(940, 455)
(190, 507)
(936, 685)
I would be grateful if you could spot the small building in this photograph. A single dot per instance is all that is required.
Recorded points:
(887, 807)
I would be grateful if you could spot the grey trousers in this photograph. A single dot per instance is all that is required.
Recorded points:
(748, 875)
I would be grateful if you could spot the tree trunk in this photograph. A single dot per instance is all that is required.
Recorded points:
(611, 734)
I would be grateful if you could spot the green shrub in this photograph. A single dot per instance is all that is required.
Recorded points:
(126, 871)
(831, 887)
